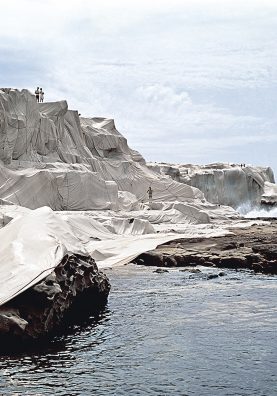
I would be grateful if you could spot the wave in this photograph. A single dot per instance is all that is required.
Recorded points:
(249, 211)
(259, 212)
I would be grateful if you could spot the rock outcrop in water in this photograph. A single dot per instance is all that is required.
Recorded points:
(74, 288)
(253, 248)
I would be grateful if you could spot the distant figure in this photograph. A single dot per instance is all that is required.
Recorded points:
(150, 195)
(41, 95)
(37, 94)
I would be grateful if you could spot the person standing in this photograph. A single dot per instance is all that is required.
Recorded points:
(150, 195)
(41, 95)
(37, 94)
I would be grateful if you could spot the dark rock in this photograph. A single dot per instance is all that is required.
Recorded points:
(253, 248)
(209, 264)
(192, 270)
(233, 262)
(179, 259)
(170, 261)
(195, 270)
(258, 267)
(212, 276)
(229, 246)
(74, 288)
(160, 270)
(253, 258)
(150, 258)
(268, 251)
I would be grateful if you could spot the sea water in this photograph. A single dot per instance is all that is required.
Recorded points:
(173, 333)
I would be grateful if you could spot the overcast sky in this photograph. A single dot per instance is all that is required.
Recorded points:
(186, 81)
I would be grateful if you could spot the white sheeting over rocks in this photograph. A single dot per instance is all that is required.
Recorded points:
(71, 163)
(35, 241)
(53, 160)
(270, 194)
(224, 184)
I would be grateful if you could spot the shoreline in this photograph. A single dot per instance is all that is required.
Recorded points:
(253, 248)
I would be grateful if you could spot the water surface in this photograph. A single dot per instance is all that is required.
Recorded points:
(175, 333)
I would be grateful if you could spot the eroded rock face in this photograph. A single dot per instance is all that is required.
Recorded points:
(75, 286)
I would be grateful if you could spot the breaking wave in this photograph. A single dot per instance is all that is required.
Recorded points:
(260, 212)
(249, 211)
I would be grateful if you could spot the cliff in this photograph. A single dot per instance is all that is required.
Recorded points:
(71, 163)
(224, 184)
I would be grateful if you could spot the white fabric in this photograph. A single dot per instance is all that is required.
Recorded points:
(225, 184)
(83, 167)
(35, 242)
(71, 163)
(270, 193)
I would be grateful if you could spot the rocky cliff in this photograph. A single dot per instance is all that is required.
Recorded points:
(71, 163)
(224, 184)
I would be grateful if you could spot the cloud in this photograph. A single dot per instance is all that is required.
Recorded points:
(183, 79)
(176, 109)
(164, 96)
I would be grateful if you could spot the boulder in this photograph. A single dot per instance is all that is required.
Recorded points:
(74, 288)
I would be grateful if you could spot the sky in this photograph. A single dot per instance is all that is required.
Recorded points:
(186, 81)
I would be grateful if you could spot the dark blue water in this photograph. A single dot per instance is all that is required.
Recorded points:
(175, 333)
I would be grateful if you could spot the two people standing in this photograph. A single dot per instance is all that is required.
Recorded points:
(39, 95)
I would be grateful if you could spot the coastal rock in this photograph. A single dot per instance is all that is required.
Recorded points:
(254, 248)
(212, 276)
(75, 287)
(74, 163)
(151, 258)
(160, 270)
(254, 185)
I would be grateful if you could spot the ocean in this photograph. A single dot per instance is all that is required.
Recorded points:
(172, 333)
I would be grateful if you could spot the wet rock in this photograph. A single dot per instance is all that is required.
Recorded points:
(269, 251)
(212, 276)
(170, 261)
(258, 267)
(253, 258)
(74, 288)
(150, 258)
(233, 262)
(161, 270)
(209, 264)
(253, 248)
